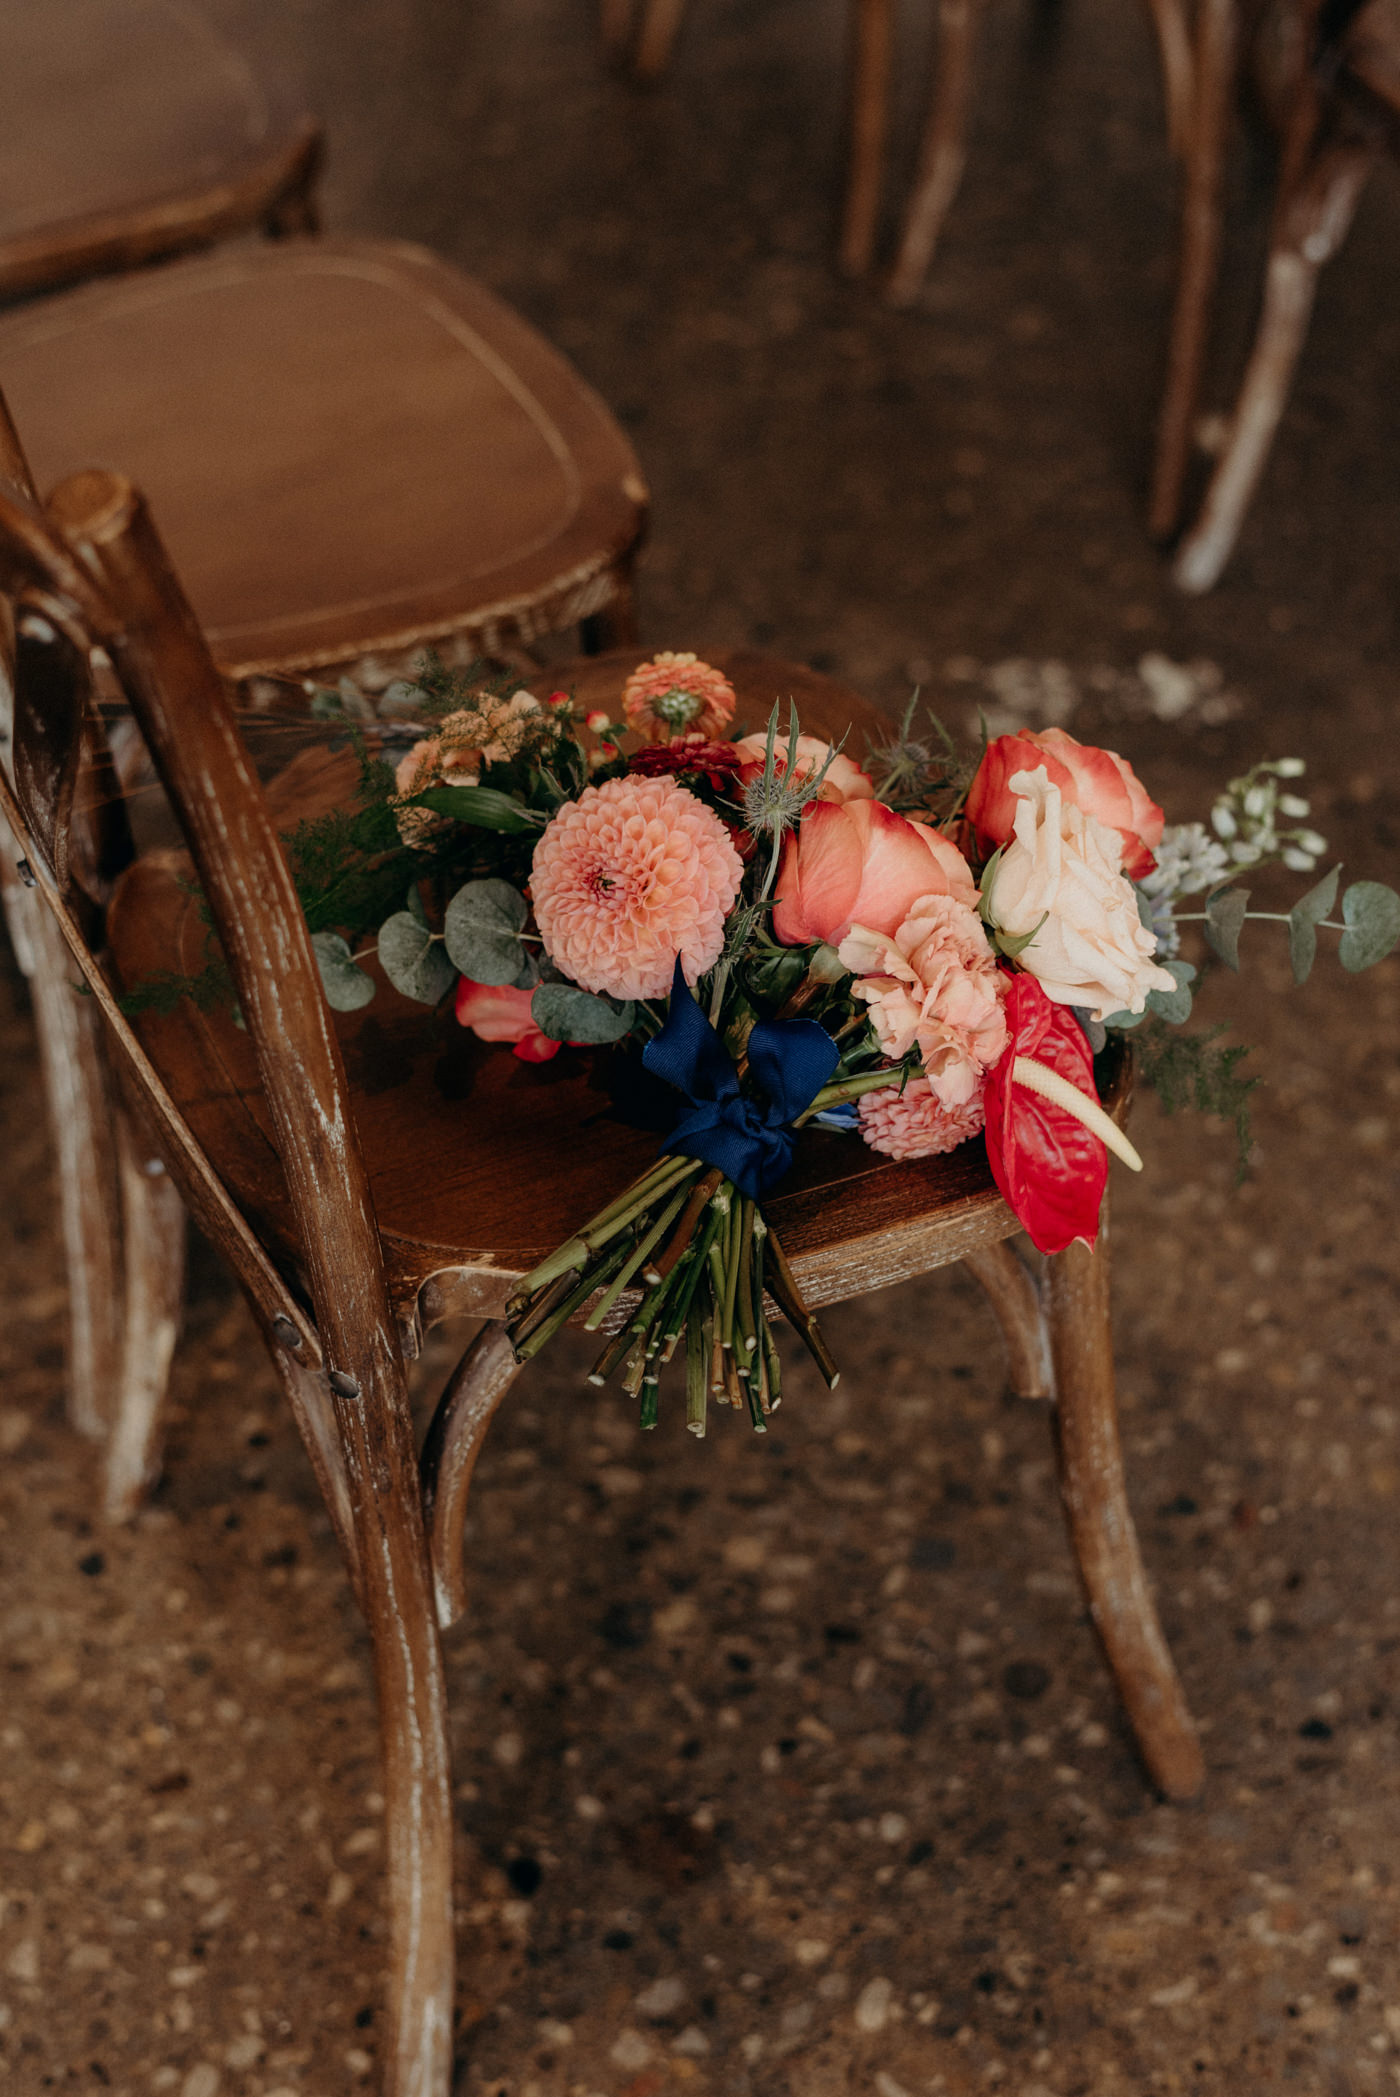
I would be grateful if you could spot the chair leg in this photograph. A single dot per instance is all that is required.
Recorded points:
(69, 1031)
(615, 27)
(465, 1411)
(942, 150)
(1016, 1302)
(397, 1599)
(1311, 232)
(656, 35)
(153, 1257)
(872, 44)
(1217, 42)
(297, 211)
(1101, 1526)
(1170, 22)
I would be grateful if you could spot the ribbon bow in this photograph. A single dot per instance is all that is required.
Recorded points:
(749, 1138)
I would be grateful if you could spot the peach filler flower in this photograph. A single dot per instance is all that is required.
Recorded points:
(677, 694)
(490, 732)
(915, 1123)
(632, 874)
(935, 984)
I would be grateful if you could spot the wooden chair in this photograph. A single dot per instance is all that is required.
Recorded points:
(1334, 93)
(131, 130)
(355, 1217)
(398, 460)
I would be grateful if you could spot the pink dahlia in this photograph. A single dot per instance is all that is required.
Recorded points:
(627, 877)
(914, 1123)
(676, 694)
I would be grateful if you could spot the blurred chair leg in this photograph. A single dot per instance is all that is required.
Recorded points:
(614, 624)
(656, 35)
(465, 1411)
(1173, 30)
(942, 150)
(872, 44)
(1016, 1301)
(153, 1255)
(69, 1032)
(1101, 1525)
(298, 210)
(1312, 228)
(1217, 42)
(615, 27)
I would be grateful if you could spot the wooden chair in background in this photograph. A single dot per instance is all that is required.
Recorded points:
(355, 1218)
(361, 452)
(1331, 81)
(132, 130)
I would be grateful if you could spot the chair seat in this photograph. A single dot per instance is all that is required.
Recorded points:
(397, 455)
(480, 1164)
(123, 123)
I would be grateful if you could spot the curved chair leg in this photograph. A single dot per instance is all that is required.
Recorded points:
(942, 150)
(1016, 1301)
(153, 1257)
(69, 1031)
(465, 1411)
(1313, 228)
(872, 44)
(615, 27)
(656, 34)
(1170, 22)
(1217, 39)
(1101, 1526)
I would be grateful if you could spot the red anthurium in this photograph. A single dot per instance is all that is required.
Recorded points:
(1051, 1169)
(503, 1014)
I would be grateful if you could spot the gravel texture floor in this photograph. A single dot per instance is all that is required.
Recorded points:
(789, 1767)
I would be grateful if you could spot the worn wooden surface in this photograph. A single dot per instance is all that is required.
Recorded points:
(352, 400)
(130, 130)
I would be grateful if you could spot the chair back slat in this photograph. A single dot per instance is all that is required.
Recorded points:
(179, 700)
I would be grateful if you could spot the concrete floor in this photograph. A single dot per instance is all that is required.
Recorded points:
(789, 1767)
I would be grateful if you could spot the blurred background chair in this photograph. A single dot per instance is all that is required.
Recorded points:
(1330, 81)
(132, 130)
(354, 1217)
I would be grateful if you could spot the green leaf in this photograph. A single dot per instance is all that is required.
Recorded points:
(1124, 1022)
(1014, 944)
(413, 904)
(989, 882)
(1372, 915)
(1303, 920)
(481, 929)
(1225, 915)
(413, 960)
(484, 807)
(1174, 1005)
(1188, 1070)
(346, 985)
(566, 1013)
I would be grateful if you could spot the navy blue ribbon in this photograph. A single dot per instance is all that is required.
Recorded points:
(749, 1136)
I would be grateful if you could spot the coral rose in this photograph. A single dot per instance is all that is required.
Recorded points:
(935, 983)
(1099, 782)
(858, 862)
(1065, 868)
(627, 877)
(502, 1014)
(844, 780)
(676, 693)
(915, 1123)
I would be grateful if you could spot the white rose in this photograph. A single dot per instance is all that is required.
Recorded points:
(1067, 868)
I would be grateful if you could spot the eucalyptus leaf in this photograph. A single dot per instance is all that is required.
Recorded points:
(481, 928)
(1124, 1022)
(413, 960)
(1174, 1005)
(1225, 915)
(1371, 912)
(529, 975)
(347, 987)
(484, 807)
(1303, 920)
(413, 904)
(565, 1013)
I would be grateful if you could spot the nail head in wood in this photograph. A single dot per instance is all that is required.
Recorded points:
(287, 1333)
(26, 873)
(343, 1384)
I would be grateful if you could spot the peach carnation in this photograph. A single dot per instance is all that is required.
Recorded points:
(914, 1123)
(936, 983)
(844, 779)
(627, 877)
(677, 694)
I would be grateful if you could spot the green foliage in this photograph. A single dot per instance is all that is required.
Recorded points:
(1303, 920)
(1188, 1070)
(566, 1013)
(911, 769)
(413, 959)
(1371, 912)
(482, 928)
(344, 982)
(1226, 910)
(162, 992)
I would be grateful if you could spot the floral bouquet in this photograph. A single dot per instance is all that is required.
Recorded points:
(920, 949)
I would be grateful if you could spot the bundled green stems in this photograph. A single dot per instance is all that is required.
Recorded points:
(692, 1261)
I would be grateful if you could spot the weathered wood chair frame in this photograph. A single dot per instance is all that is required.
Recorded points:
(91, 571)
